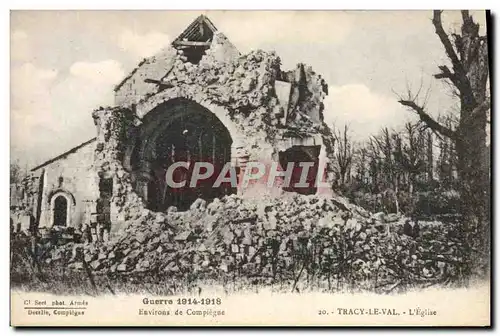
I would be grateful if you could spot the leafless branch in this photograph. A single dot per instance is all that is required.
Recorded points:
(427, 119)
(459, 75)
(445, 73)
(427, 95)
(455, 61)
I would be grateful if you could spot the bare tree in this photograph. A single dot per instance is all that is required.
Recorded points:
(409, 154)
(361, 163)
(429, 163)
(468, 54)
(17, 173)
(344, 152)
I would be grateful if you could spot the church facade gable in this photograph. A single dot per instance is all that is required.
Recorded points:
(198, 100)
(60, 191)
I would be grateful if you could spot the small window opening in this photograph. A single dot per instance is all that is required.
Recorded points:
(106, 187)
(60, 211)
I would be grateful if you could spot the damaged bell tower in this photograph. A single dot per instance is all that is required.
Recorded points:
(196, 39)
(199, 99)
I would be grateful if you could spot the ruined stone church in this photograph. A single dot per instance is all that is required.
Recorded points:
(197, 99)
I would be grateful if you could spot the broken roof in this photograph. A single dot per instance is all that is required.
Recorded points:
(198, 34)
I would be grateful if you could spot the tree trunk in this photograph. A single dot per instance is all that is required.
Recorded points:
(396, 193)
(473, 173)
(430, 161)
(468, 54)
(471, 133)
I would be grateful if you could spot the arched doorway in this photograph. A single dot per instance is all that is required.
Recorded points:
(60, 211)
(179, 131)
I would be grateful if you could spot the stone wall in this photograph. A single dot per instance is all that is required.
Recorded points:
(73, 177)
(114, 125)
(265, 109)
(240, 90)
(133, 88)
(243, 85)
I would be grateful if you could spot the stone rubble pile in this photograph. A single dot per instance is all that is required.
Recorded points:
(267, 240)
(245, 85)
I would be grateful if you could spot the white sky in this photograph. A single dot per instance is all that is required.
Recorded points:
(65, 64)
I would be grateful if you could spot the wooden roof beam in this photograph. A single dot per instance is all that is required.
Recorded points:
(159, 82)
(191, 44)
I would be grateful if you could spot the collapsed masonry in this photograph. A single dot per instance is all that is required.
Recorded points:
(198, 99)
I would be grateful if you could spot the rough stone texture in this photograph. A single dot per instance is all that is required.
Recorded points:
(71, 176)
(112, 130)
(308, 92)
(133, 87)
(244, 86)
(221, 50)
(270, 241)
(240, 90)
(27, 194)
